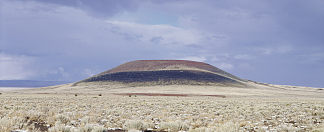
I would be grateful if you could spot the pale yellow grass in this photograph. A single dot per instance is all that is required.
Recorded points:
(67, 112)
(257, 107)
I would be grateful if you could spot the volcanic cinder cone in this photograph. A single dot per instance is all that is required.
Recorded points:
(175, 78)
(165, 72)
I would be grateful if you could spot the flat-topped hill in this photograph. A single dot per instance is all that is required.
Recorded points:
(174, 78)
(166, 72)
(154, 65)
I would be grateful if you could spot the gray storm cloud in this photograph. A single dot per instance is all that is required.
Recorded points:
(268, 41)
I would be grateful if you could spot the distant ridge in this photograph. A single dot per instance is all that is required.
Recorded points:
(166, 72)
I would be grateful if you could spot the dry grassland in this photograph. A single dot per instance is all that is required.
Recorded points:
(94, 113)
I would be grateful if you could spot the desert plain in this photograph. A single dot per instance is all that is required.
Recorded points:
(163, 96)
(173, 108)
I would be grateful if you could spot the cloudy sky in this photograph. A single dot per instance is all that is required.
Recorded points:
(271, 41)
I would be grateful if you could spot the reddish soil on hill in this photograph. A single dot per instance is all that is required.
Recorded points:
(152, 65)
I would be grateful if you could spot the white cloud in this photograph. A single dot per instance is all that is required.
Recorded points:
(88, 72)
(281, 49)
(266, 51)
(14, 67)
(164, 34)
(56, 73)
(245, 66)
(284, 49)
(225, 66)
(243, 57)
(63, 73)
(194, 58)
(312, 57)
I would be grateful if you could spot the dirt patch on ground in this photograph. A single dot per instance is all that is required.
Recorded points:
(164, 94)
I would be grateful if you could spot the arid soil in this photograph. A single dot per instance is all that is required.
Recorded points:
(94, 113)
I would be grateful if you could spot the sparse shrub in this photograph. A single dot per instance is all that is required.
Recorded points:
(87, 128)
(100, 95)
(134, 131)
(85, 120)
(173, 126)
(6, 124)
(18, 131)
(0, 93)
(133, 125)
(60, 128)
(202, 129)
(319, 129)
(99, 129)
(75, 94)
(322, 117)
(288, 128)
(228, 127)
(62, 119)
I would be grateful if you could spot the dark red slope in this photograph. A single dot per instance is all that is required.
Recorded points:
(158, 71)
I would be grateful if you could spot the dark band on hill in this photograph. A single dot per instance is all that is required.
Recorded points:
(175, 76)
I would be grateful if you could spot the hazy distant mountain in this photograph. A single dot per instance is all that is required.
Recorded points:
(29, 83)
